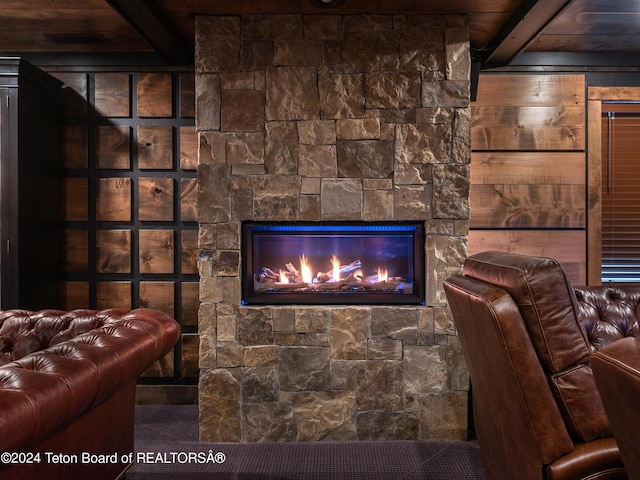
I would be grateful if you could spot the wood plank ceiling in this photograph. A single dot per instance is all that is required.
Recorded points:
(502, 32)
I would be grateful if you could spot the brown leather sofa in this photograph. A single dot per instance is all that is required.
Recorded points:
(527, 336)
(616, 369)
(67, 389)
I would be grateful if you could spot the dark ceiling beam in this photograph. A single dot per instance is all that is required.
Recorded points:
(154, 25)
(522, 27)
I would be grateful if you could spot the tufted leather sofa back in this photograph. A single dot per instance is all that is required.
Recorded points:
(554, 319)
(608, 313)
(23, 332)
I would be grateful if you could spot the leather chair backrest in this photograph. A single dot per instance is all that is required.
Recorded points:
(549, 309)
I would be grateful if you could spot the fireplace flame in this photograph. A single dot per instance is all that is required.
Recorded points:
(283, 277)
(305, 270)
(335, 263)
(383, 275)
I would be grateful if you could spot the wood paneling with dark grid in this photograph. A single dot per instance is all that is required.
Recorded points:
(129, 153)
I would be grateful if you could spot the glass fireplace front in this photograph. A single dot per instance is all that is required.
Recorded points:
(332, 263)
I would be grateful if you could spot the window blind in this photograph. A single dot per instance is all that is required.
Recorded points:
(621, 193)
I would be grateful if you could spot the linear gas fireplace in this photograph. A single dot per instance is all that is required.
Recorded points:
(333, 263)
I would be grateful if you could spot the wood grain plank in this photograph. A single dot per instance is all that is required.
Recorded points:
(113, 248)
(113, 202)
(527, 206)
(73, 147)
(530, 90)
(156, 251)
(188, 200)
(155, 147)
(158, 295)
(76, 199)
(188, 148)
(113, 147)
(527, 168)
(547, 243)
(114, 295)
(594, 197)
(189, 245)
(527, 128)
(155, 199)
(190, 303)
(190, 355)
(187, 92)
(75, 294)
(75, 251)
(113, 94)
(155, 95)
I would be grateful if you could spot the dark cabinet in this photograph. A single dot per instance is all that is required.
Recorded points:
(29, 186)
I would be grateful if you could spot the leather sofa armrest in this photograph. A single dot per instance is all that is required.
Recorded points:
(616, 369)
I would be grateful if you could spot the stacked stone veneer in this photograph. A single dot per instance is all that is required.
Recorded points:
(331, 117)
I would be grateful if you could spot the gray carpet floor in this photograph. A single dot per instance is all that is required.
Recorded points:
(167, 447)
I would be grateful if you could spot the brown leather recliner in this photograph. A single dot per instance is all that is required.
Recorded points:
(616, 369)
(527, 336)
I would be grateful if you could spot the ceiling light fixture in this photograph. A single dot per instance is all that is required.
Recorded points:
(327, 3)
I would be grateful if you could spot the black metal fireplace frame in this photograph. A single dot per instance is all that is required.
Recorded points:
(413, 228)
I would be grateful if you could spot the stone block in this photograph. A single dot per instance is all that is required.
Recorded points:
(384, 349)
(210, 289)
(284, 319)
(378, 205)
(451, 187)
(281, 148)
(268, 422)
(318, 161)
(391, 89)
(229, 354)
(288, 52)
(304, 368)
(226, 263)
(341, 199)
(322, 27)
(276, 197)
(412, 202)
(412, 174)
(212, 148)
(324, 416)
(349, 333)
(219, 407)
(208, 101)
(292, 94)
(379, 386)
(255, 326)
(242, 111)
(260, 384)
(341, 95)
(245, 148)
(370, 51)
(358, 129)
(365, 159)
(344, 374)
(444, 416)
(383, 425)
(425, 370)
(256, 55)
(317, 132)
(423, 143)
(312, 319)
(214, 204)
(272, 26)
(457, 52)
(447, 93)
(217, 44)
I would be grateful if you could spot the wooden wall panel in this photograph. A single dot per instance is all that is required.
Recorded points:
(113, 202)
(129, 198)
(528, 128)
(156, 251)
(113, 94)
(527, 206)
(155, 147)
(155, 199)
(113, 251)
(114, 295)
(113, 147)
(549, 243)
(155, 95)
(76, 199)
(528, 168)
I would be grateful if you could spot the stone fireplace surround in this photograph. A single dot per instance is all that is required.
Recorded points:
(322, 118)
